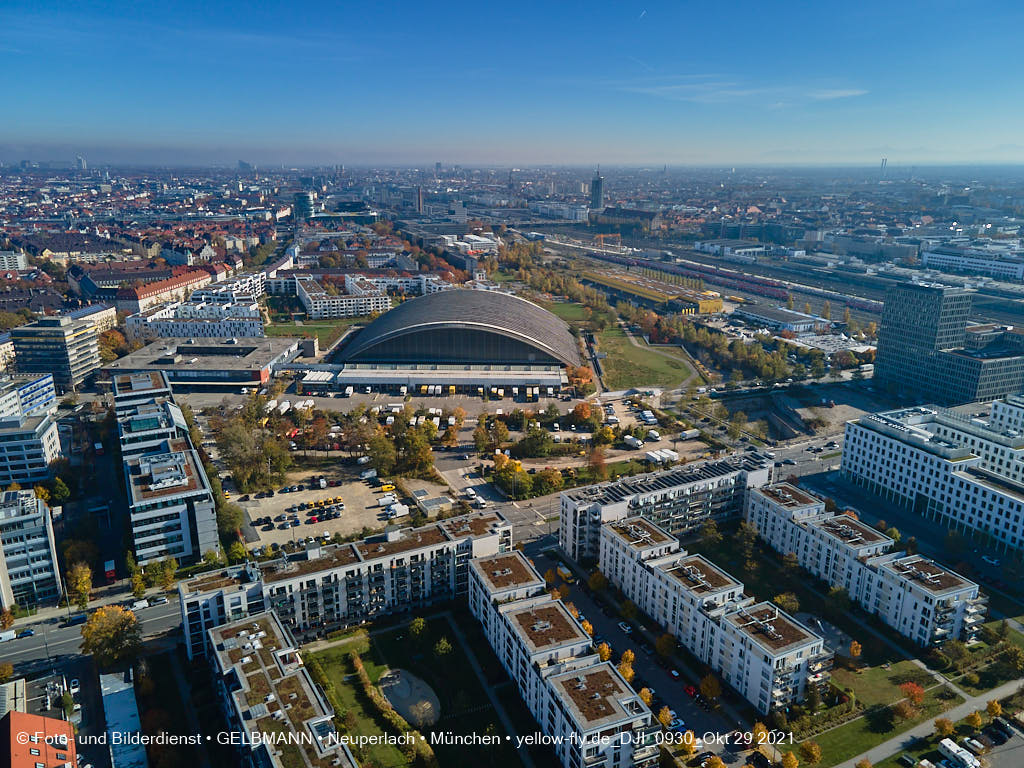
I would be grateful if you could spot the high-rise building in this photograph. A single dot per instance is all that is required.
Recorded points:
(303, 206)
(597, 192)
(82, 165)
(66, 347)
(28, 434)
(28, 556)
(925, 348)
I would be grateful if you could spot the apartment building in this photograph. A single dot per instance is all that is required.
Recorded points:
(336, 585)
(29, 740)
(28, 556)
(62, 346)
(594, 716)
(321, 304)
(135, 299)
(264, 688)
(915, 596)
(678, 500)
(766, 655)
(961, 474)
(27, 396)
(197, 319)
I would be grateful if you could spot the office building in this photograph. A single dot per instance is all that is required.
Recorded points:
(62, 346)
(959, 473)
(592, 714)
(266, 689)
(923, 349)
(679, 500)
(1000, 265)
(332, 586)
(766, 655)
(30, 741)
(597, 192)
(303, 206)
(28, 556)
(28, 433)
(170, 503)
(915, 596)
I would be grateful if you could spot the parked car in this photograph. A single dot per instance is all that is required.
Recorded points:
(625, 627)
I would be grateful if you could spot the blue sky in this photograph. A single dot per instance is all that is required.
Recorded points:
(682, 82)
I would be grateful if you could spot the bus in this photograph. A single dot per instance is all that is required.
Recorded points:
(110, 571)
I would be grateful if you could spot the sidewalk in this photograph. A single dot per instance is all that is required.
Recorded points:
(927, 728)
(112, 594)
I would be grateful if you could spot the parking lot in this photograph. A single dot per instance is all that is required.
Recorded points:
(354, 502)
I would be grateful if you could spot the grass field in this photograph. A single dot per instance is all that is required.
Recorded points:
(570, 312)
(328, 331)
(465, 708)
(878, 685)
(628, 366)
(876, 726)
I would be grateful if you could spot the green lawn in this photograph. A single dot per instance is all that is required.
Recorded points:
(875, 727)
(878, 685)
(626, 365)
(568, 311)
(328, 331)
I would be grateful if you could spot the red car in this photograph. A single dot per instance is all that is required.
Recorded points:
(690, 690)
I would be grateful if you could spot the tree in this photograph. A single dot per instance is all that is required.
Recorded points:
(759, 734)
(626, 670)
(810, 752)
(6, 672)
(789, 760)
(914, 693)
(60, 492)
(943, 727)
(646, 696)
(893, 533)
(665, 717)
(112, 635)
(442, 648)
(709, 533)
(229, 519)
(787, 601)
(790, 562)
(628, 610)
(383, 454)
(79, 581)
(665, 645)
(904, 710)
(1014, 657)
(710, 688)
(628, 656)
(604, 651)
(862, 763)
(138, 585)
(42, 492)
(689, 745)
(168, 573)
(994, 708)
(595, 460)
(974, 719)
(6, 619)
(597, 582)
(588, 627)
(715, 762)
(550, 576)
(417, 627)
(237, 553)
(855, 649)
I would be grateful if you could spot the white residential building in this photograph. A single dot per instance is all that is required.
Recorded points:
(28, 557)
(584, 704)
(197, 319)
(320, 304)
(915, 596)
(264, 688)
(765, 654)
(679, 500)
(960, 473)
(333, 586)
(1002, 266)
(13, 260)
(27, 446)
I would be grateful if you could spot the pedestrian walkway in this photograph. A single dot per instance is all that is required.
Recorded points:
(927, 728)
(114, 594)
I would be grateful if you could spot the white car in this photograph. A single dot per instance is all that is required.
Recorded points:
(625, 628)
(990, 560)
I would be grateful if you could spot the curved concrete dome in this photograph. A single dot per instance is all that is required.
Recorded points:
(466, 326)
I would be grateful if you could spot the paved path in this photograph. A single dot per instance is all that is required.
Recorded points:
(927, 728)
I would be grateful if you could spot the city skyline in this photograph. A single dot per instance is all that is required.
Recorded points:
(642, 84)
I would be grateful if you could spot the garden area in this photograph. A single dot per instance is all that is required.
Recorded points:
(327, 331)
(625, 365)
(430, 651)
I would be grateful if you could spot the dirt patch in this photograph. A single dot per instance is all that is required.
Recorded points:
(411, 697)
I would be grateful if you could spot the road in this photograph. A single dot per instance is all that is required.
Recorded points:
(55, 642)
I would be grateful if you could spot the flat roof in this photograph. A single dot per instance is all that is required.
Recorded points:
(926, 573)
(139, 383)
(596, 695)
(241, 354)
(170, 473)
(475, 524)
(850, 530)
(547, 625)
(638, 532)
(771, 627)
(302, 563)
(405, 540)
(206, 582)
(699, 574)
(506, 571)
(789, 496)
